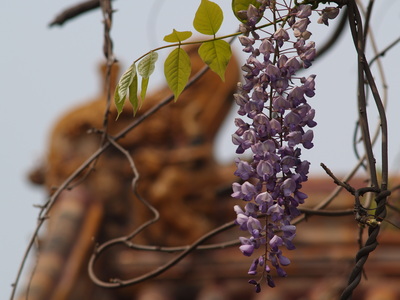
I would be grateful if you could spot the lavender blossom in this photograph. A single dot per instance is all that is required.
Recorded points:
(273, 103)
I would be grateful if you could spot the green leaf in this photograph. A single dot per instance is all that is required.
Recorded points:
(145, 68)
(145, 83)
(147, 64)
(119, 103)
(122, 87)
(126, 80)
(208, 18)
(177, 36)
(133, 97)
(177, 69)
(242, 5)
(216, 54)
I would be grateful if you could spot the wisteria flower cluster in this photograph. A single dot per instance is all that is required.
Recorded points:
(274, 127)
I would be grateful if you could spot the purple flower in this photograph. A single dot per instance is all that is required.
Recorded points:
(253, 15)
(288, 187)
(261, 125)
(247, 43)
(241, 220)
(300, 196)
(264, 201)
(281, 272)
(270, 282)
(292, 120)
(273, 72)
(328, 13)
(309, 85)
(247, 249)
(306, 52)
(253, 267)
(289, 231)
(242, 126)
(288, 162)
(283, 261)
(294, 138)
(265, 170)
(281, 36)
(256, 284)
(253, 224)
(307, 138)
(304, 11)
(273, 100)
(276, 212)
(292, 65)
(280, 104)
(251, 209)
(246, 191)
(301, 24)
(244, 169)
(249, 138)
(275, 243)
(266, 48)
(296, 96)
(276, 127)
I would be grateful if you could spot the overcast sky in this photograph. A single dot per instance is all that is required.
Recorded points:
(44, 71)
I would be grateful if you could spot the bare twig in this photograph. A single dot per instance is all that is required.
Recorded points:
(326, 212)
(187, 250)
(367, 14)
(156, 214)
(109, 55)
(357, 34)
(345, 185)
(383, 52)
(74, 11)
(33, 271)
(367, 20)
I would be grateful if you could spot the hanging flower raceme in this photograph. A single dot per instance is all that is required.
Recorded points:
(274, 128)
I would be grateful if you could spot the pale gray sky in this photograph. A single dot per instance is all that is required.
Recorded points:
(44, 71)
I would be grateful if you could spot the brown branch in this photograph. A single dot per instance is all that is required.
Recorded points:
(333, 194)
(326, 212)
(156, 214)
(380, 212)
(357, 34)
(107, 11)
(383, 52)
(74, 11)
(345, 185)
(115, 283)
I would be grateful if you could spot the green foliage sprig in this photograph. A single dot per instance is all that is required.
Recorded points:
(215, 52)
